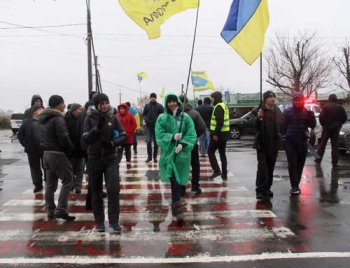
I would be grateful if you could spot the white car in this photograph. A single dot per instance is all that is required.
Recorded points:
(16, 122)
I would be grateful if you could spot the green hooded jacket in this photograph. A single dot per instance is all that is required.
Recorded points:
(167, 126)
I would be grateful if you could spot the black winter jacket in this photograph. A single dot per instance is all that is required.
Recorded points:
(333, 115)
(151, 112)
(199, 124)
(29, 136)
(102, 141)
(205, 111)
(54, 133)
(74, 136)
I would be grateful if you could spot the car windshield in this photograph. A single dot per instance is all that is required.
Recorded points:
(17, 116)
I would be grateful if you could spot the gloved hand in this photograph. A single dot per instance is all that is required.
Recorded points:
(108, 144)
(178, 148)
(177, 136)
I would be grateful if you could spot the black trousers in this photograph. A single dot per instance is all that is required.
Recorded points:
(196, 167)
(109, 167)
(221, 146)
(35, 161)
(266, 165)
(296, 156)
(127, 148)
(333, 134)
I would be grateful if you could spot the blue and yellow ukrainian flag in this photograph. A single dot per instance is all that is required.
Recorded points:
(150, 14)
(141, 76)
(200, 81)
(245, 28)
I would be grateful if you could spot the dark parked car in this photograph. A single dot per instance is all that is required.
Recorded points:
(344, 138)
(243, 125)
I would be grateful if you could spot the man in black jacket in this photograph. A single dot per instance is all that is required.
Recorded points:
(77, 160)
(36, 100)
(205, 111)
(29, 137)
(150, 114)
(57, 146)
(267, 142)
(103, 133)
(332, 117)
(219, 135)
(199, 126)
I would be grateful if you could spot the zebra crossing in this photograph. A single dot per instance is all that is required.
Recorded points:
(225, 220)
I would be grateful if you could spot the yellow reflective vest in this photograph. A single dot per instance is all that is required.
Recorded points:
(226, 125)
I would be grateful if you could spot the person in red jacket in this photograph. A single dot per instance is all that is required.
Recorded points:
(129, 124)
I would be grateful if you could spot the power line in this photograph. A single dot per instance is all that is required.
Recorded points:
(40, 27)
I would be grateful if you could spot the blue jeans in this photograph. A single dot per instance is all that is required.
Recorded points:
(204, 141)
(151, 135)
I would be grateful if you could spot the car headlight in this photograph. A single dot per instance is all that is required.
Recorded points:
(341, 133)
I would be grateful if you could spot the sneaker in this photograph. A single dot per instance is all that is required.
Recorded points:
(196, 190)
(77, 190)
(155, 160)
(224, 177)
(215, 174)
(135, 152)
(294, 191)
(65, 217)
(148, 160)
(50, 215)
(116, 228)
(100, 227)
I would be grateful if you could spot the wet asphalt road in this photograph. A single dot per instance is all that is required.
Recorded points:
(225, 225)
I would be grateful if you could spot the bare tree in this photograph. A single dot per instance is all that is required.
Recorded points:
(141, 103)
(343, 66)
(298, 64)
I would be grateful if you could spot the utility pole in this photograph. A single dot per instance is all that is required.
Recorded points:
(120, 96)
(96, 75)
(89, 37)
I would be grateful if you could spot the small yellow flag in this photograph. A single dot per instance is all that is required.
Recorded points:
(150, 14)
(162, 94)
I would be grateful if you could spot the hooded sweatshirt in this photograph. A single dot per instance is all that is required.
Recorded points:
(128, 122)
(28, 113)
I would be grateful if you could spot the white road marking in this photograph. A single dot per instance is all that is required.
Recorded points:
(202, 258)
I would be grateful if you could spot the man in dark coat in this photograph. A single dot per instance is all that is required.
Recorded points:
(57, 146)
(297, 120)
(199, 126)
(219, 135)
(267, 142)
(332, 117)
(77, 159)
(205, 111)
(29, 137)
(36, 100)
(150, 114)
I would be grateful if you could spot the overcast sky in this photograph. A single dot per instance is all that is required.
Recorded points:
(54, 60)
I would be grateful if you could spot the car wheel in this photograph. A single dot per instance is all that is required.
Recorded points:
(235, 133)
(342, 151)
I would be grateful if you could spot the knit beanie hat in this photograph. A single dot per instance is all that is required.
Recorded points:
(99, 97)
(268, 94)
(74, 106)
(55, 100)
(153, 95)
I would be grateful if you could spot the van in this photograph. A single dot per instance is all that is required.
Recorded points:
(16, 122)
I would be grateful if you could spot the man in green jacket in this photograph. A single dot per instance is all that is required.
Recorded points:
(176, 136)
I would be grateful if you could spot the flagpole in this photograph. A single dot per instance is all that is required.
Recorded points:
(140, 92)
(260, 77)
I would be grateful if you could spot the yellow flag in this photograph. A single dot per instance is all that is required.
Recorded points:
(150, 14)
(200, 81)
(141, 76)
(162, 94)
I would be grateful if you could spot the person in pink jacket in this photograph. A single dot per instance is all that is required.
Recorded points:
(129, 124)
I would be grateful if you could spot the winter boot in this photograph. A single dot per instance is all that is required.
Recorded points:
(177, 211)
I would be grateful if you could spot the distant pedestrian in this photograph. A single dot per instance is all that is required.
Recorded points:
(205, 111)
(199, 126)
(332, 118)
(176, 137)
(29, 136)
(199, 103)
(268, 139)
(136, 114)
(100, 127)
(129, 124)
(77, 159)
(297, 121)
(219, 135)
(36, 100)
(150, 114)
(57, 146)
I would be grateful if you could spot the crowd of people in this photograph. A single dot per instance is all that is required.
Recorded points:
(95, 138)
